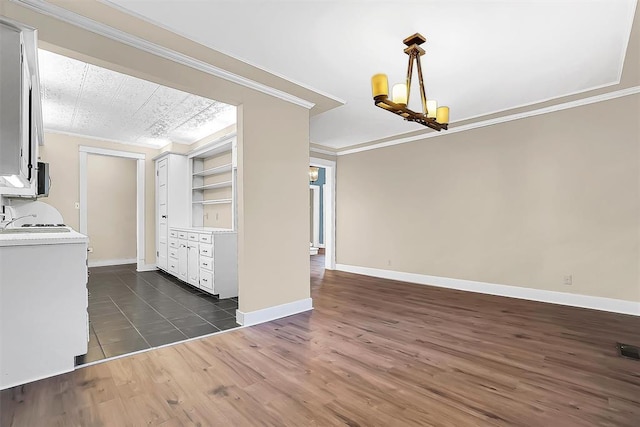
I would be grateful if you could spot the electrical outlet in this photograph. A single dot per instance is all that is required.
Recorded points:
(217, 216)
(568, 280)
(77, 205)
(389, 262)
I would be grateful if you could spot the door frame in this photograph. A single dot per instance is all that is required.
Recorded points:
(329, 209)
(315, 240)
(84, 152)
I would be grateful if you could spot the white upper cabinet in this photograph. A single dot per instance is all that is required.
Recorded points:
(20, 109)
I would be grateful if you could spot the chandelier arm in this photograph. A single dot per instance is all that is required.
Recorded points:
(423, 96)
(409, 72)
(407, 114)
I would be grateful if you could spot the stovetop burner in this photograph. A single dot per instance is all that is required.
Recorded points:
(43, 225)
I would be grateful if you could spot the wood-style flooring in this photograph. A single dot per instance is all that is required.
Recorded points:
(373, 352)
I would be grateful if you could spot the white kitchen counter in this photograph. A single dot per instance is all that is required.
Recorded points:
(55, 238)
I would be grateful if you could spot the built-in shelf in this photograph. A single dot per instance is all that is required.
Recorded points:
(214, 171)
(212, 186)
(212, 202)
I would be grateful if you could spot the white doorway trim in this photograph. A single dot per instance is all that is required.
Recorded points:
(315, 240)
(329, 210)
(84, 151)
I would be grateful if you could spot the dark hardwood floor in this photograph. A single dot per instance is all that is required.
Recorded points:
(373, 352)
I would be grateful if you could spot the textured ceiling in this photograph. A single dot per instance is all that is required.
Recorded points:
(83, 99)
(482, 56)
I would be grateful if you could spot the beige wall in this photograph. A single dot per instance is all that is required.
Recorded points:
(273, 259)
(522, 203)
(61, 151)
(273, 210)
(111, 207)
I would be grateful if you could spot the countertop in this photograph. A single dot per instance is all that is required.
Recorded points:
(30, 239)
(203, 229)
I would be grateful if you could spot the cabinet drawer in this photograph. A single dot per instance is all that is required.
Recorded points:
(205, 238)
(182, 234)
(173, 233)
(206, 280)
(206, 263)
(193, 237)
(173, 243)
(173, 266)
(206, 250)
(173, 253)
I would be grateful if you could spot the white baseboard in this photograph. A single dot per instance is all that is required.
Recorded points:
(146, 267)
(273, 313)
(108, 262)
(562, 298)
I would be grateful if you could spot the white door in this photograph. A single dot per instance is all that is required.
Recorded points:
(194, 264)
(183, 261)
(162, 220)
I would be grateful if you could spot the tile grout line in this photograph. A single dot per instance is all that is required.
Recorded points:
(177, 302)
(154, 309)
(129, 320)
(91, 328)
(117, 274)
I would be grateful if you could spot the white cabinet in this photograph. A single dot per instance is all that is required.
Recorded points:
(196, 216)
(172, 203)
(183, 261)
(193, 261)
(43, 305)
(20, 109)
(207, 259)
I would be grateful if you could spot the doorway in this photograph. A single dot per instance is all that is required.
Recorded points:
(140, 195)
(111, 213)
(325, 211)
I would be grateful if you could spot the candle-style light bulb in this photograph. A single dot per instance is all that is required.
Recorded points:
(379, 85)
(400, 94)
(442, 115)
(432, 106)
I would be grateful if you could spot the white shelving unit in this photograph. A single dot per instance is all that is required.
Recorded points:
(213, 202)
(215, 170)
(213, 184)
(222, 184)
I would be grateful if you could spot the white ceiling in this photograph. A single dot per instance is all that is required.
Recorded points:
(83, 99)
(482, 56)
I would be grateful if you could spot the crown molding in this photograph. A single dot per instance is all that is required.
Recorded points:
(246, 61)
(558, 107)
(73, 18)
(322, 151)
(97, 138)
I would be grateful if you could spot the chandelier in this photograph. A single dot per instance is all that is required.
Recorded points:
(432, 116)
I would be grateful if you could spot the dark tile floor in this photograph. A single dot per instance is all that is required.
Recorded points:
(131, 311)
